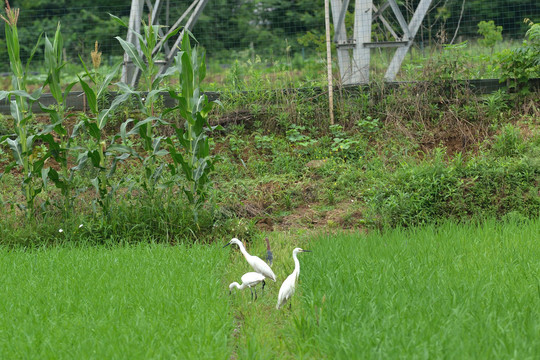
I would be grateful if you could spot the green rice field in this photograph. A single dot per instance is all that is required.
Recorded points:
(452, 291)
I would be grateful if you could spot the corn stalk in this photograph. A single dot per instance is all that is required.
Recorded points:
(153, 152)
(190, 150)
(22, 142)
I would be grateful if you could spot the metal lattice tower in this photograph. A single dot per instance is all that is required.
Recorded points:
(354, 52)
(131, 74)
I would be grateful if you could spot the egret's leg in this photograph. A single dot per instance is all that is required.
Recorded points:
(250, 289)
(255, 291)
(264, 283)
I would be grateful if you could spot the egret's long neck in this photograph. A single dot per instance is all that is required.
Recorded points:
(243, 251)
(238, 286)
(296, 265)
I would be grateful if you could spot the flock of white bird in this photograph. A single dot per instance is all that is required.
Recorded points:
(263, 271)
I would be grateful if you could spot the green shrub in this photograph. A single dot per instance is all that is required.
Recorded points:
(481, 187)
(509, 142)
(523, 63)
(490, 33)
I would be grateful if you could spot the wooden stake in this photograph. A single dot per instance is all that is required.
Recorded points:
(329, 60)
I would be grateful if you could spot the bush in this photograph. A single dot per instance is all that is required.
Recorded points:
(521, 64)
(481, 187)
(491, 33)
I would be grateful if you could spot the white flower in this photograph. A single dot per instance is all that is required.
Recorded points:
(60, 230)
(80, 226)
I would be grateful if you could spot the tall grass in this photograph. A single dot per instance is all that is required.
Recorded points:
(137, 302)
(436, 292)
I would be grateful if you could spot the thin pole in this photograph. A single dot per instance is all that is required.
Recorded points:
(329, 60)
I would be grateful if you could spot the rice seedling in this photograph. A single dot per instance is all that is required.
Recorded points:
(138, 302)
(452, 291)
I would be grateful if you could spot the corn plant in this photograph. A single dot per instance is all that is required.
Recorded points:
(151, 156)
(22, 143)
(103, 155)
(190, 149)
(59, 145)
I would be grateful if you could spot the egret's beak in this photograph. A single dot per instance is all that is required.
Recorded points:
(307, 251)
(227, 244)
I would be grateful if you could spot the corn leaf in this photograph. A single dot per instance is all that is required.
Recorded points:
(118, 20)
(131, 51)
(90, 96)
(16, 150)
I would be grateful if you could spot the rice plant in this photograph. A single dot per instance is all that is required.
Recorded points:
(136, 302)
(451, 291)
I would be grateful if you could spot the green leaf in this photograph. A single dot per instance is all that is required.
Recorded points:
(32, 53)
(55, 178)
(186, 77)
(45, 176)
(161, 152)
(152, 95)
(55, 117)
(67, 90)
(112, 169)
(36, 95)
(95, 158)
(202, 68)
(30, 142)
(94, 131)
(135, 129)
(95, 183)
(52, 62)
(123, 149)
(16, 149)
(90, 96)
(173, 33)
(104, 114)
(81, 161)
(16, 113)
(118, 20)
(180, 136)
(54, 147)
(131, 51)
(86, 70)
(54, 87)
(123, 133)
(108, 78)
(170, 71)
(76, 128)
(201, 170)
(21, 93)
(12, 42)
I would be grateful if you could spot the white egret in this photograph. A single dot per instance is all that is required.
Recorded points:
(269, 255)
(249, 280)
(256, 262)
(287, 288)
